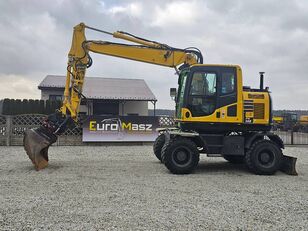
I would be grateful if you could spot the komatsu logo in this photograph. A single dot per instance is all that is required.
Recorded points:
(115, 124)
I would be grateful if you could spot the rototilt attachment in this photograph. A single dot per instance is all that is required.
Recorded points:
(37, 141)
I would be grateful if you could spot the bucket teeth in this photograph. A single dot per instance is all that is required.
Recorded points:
(36, 144)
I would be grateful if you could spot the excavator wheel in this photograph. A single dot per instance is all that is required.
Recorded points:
(264, 157)
(36, 143)
(158, 145)
(180, 155)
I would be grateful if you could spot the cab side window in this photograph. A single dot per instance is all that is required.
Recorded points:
(227, 83)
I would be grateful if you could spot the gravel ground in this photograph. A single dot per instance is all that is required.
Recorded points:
(125, 187)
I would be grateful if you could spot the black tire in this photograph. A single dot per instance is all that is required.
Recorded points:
(264, 157)
(235, 159)
(158, 145)
(180, 155)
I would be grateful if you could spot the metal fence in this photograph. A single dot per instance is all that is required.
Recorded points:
(12, 129)
(293, 138)
(3, 130)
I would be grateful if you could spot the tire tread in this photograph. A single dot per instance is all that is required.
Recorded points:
(248, 160)
(158, 145)
(170, 166)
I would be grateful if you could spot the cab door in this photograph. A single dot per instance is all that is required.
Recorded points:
(202, 98)
(227, 95)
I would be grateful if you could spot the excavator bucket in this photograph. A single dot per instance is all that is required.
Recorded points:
(36, 143)
(288, 165)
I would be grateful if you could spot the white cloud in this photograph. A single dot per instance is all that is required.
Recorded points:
(178, 13)
(18, 87)
(132, 9)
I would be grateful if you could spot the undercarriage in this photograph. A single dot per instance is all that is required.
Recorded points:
(260, 151)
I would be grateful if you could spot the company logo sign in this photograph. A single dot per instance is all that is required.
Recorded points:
(122, 128)
(116, 124)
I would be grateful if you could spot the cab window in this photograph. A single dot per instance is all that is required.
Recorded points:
(227, 83)
(202, 95)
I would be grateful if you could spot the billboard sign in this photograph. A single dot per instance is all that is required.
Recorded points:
(120, 128)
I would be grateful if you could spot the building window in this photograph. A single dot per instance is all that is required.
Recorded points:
(106, 107)
(55, 97)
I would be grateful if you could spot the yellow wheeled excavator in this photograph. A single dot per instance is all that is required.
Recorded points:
(215, 113)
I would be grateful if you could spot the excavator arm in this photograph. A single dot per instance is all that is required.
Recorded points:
(37, 141)
(146, 51)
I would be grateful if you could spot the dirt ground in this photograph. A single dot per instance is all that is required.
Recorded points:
(125, 187)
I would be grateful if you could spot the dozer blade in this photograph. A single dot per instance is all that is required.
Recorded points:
(288, 165)
(36, 143)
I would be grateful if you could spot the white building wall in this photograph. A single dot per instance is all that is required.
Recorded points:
(87, 108)
(134, 107)
(46, 93)
(83, 109)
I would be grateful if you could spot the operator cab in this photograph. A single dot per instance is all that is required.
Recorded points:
(205, 88)
(211, 98)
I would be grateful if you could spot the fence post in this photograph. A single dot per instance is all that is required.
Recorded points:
(292, 137)
(8, 129)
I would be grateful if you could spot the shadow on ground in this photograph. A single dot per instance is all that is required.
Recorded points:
(223, 166)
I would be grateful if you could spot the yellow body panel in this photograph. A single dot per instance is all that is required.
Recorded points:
(211, 118)
(278, 119)
(261, 106)
(303, 120)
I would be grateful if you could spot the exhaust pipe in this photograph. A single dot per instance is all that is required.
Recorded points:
(261, 80)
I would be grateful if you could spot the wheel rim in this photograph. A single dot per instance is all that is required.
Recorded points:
(182, 156)
(266, 158)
